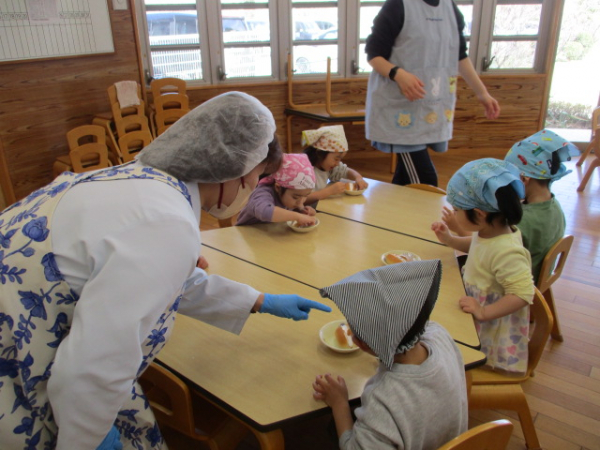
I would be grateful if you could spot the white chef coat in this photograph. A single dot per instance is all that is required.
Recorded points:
(126, 254)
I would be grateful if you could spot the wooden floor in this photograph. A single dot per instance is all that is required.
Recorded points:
(564, 395)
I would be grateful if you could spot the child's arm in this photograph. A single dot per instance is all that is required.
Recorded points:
(284, 215)
(449, 219)
(332, 189)
(460, 243)
(503, 307)
(354, 175)
(335, 394)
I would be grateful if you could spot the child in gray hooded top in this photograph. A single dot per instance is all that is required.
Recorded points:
(417, 399)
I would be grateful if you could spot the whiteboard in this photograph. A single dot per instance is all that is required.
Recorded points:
(32, 29)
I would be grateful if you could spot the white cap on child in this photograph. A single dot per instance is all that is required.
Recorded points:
(328, 139)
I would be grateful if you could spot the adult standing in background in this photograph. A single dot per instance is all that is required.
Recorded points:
(416, 49)
(96, 266)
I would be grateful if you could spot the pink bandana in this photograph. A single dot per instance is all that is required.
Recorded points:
(296, 172)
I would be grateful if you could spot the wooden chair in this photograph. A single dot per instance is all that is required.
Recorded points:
(595, 145)
(329, 112)
(184, 418)
(123, 118)
(167, 94)
(594, 138)
(133, 142)
(427, 187)
(552, 267)
(493, 390)
(487, 436)
(169, 109)
(87, 149)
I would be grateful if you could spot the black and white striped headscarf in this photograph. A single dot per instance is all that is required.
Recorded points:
(387, 307)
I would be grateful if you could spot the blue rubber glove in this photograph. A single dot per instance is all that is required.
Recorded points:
(112, 441)
(290, 306)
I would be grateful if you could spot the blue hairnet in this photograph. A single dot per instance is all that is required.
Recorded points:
(222, 139)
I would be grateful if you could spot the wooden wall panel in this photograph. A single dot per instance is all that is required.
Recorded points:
(41, 100)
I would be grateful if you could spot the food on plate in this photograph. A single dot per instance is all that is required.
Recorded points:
(393, 258)
(344, 336)
(299, 225)
(351, 187)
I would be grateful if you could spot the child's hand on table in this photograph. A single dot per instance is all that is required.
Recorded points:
(202, 263)
(309, 211)
(330, 390)
(471, 306)
(336, 188)
(361, 184)
(304, 220)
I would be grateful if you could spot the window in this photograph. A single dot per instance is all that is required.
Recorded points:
(250, 39)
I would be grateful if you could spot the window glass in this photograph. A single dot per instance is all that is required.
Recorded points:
(184, 64)
(517, 20)
(250, 25)
(513, 54)
(248, 62)
(313, 58)
(467, 12)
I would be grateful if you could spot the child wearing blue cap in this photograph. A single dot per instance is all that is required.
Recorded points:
(486, 196)
(539, 159)
(417, 399)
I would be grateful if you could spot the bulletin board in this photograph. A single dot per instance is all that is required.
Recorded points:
(33, 29)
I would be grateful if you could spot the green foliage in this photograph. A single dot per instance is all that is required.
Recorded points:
(568, 115)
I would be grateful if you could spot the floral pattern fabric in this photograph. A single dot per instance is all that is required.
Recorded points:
(36, 311)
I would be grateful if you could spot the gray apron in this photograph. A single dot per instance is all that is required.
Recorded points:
(428, 47)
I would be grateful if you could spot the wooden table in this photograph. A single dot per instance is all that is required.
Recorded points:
(396, 208)
(264, 376)
(337, 249)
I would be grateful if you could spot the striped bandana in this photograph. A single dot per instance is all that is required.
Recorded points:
(388, 307)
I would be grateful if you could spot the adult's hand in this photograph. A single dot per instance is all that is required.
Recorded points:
(290, 306)
(410, 85)
(491, 106)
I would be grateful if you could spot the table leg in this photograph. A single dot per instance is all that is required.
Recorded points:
(270, 440)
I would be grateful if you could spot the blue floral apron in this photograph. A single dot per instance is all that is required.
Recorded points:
(36, 310)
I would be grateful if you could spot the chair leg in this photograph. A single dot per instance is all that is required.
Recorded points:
(271, 440)
(588, 174)
(585, 153)
(555, 333)
(289, 134)
(508, 397)
(229, 435)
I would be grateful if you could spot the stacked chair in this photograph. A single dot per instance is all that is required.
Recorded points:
(88, 150)
(593, 145)
(170, 103)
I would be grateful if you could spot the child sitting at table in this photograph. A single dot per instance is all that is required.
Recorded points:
(280, 197)
(539, 158)
(326, 147)
(486, 197)
(417, 399)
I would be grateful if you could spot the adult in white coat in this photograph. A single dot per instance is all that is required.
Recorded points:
(94, 268)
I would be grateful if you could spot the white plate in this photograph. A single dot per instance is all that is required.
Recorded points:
(353, 191)
(327, 336)
(292, 225)
(410, 255)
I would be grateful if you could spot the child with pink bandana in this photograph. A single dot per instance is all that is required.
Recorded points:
(280, 197)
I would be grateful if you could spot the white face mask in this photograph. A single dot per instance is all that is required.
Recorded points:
(220, 211)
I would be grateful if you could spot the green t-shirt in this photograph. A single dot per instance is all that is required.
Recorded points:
(542, 225)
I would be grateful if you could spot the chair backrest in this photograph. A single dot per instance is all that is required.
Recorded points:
(132, 123)
(167, 117)
(487, 436)
(133, 142)
(541, 330)
(172, 101)
(87, 148)
(169, 398)
(120, 113)
(162, 86)
(427, 187)
(554, 262)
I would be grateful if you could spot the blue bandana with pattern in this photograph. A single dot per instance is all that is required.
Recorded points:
(475, 184)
